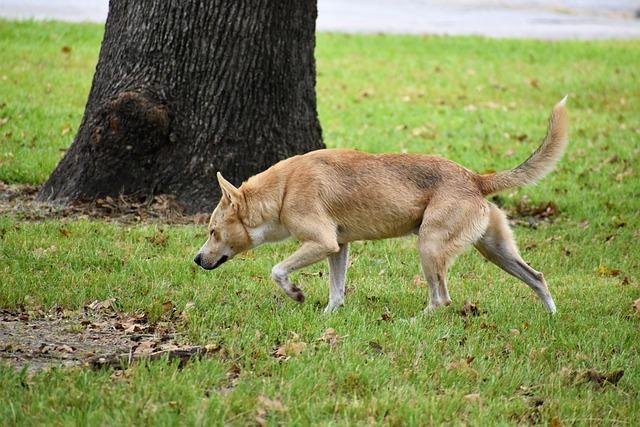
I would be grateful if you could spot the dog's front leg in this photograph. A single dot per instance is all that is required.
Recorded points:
(337, 276)
(308, 253)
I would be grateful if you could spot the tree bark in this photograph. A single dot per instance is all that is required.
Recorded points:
(183, 89)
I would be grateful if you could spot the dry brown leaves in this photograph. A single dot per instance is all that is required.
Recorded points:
(473, 398)
(292, 347)
(330, 336)
(599, 379)
(97, 336)
(463, 366)
(19, 200)
(386, 316)
(530, 214)
(469, 309)
(97, 305)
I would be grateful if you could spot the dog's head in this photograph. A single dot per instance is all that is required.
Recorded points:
(227, 233)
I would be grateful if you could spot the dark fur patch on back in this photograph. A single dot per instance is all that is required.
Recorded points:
(420, 175)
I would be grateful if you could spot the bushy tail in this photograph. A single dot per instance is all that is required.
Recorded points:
(540, 163)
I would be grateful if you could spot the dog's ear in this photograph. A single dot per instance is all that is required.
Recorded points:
(228, 190)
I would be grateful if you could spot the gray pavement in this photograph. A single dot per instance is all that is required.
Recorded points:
(545, 19)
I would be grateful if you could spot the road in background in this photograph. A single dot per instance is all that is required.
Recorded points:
(546, 19)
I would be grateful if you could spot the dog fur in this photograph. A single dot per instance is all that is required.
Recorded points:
(326, 199)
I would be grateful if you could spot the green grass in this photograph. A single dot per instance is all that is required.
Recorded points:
(474, 99)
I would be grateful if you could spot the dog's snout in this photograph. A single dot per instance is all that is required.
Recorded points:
(198, 259)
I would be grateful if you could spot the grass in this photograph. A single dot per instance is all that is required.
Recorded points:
(480, 102)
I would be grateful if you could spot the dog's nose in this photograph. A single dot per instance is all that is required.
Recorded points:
(198, 259)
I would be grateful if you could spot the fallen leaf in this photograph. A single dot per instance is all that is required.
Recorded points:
(66, 50)
(491, 326)
(472, 398)
(65, 129)
(271, 404)
(426, 132)
(463, 366)
(524, 208)
(134, 327)
(386, 316)
(329, 336)
(603, 270)
(260, 418)
(591, 375)
(367, 93)
(101, 305)
(145, 347)
(601, 378)
(636, 304)
(555, 422)
(212, 348)
(289, 349)
(167, 306)
(533, 82)
(417, 280)
(234, 372)
(491, 105)
(65, 348)
(469, 309)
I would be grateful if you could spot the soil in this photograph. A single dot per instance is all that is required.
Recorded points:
(96, 337)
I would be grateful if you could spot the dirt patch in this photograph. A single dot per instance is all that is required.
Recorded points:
(19, 201)
(98, 336)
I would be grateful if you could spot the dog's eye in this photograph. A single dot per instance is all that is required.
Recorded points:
(211, 232)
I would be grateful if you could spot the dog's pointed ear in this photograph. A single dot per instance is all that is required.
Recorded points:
(228, 189)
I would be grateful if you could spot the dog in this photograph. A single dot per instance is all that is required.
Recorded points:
(328, 198)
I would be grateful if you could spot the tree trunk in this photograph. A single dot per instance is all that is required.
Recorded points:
(183, 89)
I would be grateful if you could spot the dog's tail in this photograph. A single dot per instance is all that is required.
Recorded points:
(540, 163)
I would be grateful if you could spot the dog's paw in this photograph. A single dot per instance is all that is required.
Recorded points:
(330, 308)
(296, 294)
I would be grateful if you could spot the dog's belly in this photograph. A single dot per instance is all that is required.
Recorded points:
(376, 228)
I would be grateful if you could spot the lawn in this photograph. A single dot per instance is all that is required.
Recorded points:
(483, 103)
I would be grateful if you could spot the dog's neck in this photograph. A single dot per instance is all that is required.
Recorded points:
(262, 215)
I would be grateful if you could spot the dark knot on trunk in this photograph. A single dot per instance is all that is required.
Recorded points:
(132, 121)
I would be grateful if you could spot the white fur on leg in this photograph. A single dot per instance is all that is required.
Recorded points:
(549, 304)
(337, 277)
(280, 276)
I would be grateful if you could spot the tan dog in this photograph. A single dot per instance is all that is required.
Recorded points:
(328, 198)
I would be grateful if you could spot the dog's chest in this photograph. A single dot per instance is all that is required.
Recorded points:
(268, 232)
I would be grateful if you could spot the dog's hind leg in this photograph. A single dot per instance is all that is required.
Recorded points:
(446, 230)
(498, 246)
(337, 276)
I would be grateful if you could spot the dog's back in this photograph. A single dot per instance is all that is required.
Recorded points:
(370, 196)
